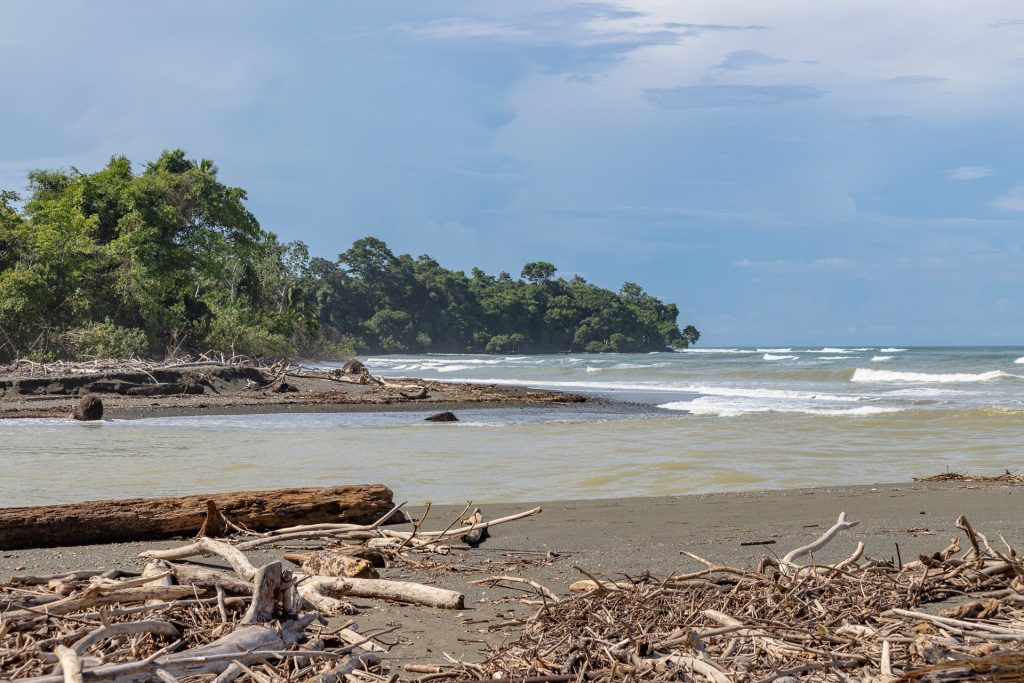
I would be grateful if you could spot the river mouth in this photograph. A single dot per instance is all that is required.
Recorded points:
(491, 455)
(662, 424)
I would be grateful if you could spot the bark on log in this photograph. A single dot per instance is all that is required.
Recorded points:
(150, 519)
(208, 578)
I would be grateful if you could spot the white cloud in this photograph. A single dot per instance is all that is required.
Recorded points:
(1012, 200)
(969, 172)
(827, 264)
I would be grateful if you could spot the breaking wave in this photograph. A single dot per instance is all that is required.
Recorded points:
(867, 375)
(771, 356)
(732, 408)
(880, 358)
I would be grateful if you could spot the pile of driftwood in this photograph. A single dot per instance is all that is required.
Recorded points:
(1006, 477)
(954, 615)
(274, 375)
(179, 620)
(24, 367)
(858, 619)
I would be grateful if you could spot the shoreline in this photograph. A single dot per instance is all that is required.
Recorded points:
(311, 395)
(620, 537)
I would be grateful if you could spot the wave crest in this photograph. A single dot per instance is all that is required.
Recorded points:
(868, 375)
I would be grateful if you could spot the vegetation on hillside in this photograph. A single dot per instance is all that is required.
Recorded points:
(117, 263)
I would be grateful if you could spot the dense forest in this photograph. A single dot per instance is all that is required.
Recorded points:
(168, 260)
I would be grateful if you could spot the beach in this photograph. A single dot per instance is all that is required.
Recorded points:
(733, 455)
(619, 538)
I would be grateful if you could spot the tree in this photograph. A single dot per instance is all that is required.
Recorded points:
(169, 257)
(538, 272)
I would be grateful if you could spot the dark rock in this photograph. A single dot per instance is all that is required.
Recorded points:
(90, 407)
(285, 388)
(442, 417)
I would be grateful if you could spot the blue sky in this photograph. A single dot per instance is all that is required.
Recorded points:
(848, 172)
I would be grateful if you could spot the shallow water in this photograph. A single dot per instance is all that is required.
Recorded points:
(729, 420)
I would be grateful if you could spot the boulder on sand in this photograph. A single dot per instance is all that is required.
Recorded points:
(446, 416)
(90, 407)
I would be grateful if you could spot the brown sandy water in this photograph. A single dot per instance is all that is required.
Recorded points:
(495, 454)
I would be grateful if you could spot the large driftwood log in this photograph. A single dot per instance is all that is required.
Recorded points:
(148, 519)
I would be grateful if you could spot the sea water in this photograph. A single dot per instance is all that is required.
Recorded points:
(698, 420)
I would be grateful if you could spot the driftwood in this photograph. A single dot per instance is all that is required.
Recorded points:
(116, 625)
(478, 533)
(207, 578)
(399, 591)
(166, 389)
(334, 563)
(144, 519)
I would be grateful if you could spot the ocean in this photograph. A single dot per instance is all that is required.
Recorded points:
(692, 421)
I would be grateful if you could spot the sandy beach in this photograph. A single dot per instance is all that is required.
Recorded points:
(617, 538)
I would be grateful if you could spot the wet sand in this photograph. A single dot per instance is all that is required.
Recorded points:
(626, 537)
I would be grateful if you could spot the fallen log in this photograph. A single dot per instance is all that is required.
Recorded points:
(150, 519)
(314, 588)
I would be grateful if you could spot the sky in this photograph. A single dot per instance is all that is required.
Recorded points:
(843, 172)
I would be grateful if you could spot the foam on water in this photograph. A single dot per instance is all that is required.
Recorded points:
(725, 407)
(877, 359)
(712, 351)
(1020, 361)
(927, 392)
(786, 350)
(892, 350)
(867, 375)
(835, 357)
(771, 356)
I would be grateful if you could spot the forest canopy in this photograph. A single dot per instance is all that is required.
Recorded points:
(169, 260)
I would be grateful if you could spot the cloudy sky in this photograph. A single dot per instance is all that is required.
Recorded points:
(846, 172)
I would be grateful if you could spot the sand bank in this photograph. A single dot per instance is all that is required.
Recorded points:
(309, 395)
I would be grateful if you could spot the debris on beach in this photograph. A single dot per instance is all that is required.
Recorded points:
(32, 389)
(1007, 477)
(176, 619)
(948, 616)
(859, 619)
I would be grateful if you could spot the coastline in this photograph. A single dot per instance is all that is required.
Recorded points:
(313, 395)
(613, 538)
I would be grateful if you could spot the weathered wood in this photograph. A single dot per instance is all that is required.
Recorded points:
(209, 578)
(332, 563)
(148, 519)
(167, 389)
(400, 591)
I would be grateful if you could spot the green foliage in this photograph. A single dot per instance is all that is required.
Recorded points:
(120, 263)
(104, 340)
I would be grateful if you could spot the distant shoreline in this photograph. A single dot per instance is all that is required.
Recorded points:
(442, 397)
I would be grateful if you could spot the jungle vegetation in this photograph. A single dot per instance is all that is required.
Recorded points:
(169, 260)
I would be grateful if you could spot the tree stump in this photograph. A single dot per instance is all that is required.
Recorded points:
(90, 407)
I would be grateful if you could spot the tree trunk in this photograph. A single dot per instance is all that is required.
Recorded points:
(149, 519)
